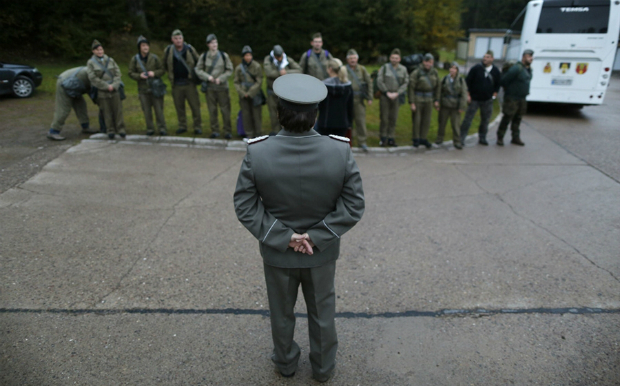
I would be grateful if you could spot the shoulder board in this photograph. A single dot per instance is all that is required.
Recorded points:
(339, 138)
(258, 139)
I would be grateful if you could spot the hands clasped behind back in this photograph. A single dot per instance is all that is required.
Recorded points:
(301, 243)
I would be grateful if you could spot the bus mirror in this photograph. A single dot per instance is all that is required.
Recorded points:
(507, 39)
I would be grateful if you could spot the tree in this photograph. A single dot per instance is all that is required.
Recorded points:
(435, 24)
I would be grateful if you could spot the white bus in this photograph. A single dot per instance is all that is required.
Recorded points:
(574, 44)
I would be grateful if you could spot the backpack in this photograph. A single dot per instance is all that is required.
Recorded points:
(374, 76)
(308, 59)
(508, 65)
(195, 79)
(73, 86)
(411, 62)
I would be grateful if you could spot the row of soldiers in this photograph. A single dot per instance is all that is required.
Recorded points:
(211, 70)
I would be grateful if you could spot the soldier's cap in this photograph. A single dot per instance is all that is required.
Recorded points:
(528, 52)
(141, 40)
(95, 44)
(210, 38)
(395, 51)
(299, 92)
(352, 52)
(278, 50)
(490, 52)
(176, 32)
(428, 57)
(246, 50)
(317, 36)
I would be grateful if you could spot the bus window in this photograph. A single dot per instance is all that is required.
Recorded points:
(555, 19)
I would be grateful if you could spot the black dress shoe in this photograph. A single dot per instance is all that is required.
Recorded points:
(150, 132)
(215, 135)
(287, 376)
(426, 143)
(483, 142)
(416, 142)
(228, 136)
(111, 135)
(123, 135)
(181, 131)
(391, 142)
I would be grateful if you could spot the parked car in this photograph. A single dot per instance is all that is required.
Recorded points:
(19, 80)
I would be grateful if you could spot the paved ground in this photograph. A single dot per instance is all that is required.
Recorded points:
(123, 263)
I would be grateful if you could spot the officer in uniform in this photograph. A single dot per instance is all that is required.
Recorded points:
(276, 64)
(64, 103)
(248, 80)
(516, 84)
(298, 192)
(362, 90)
(392, 80)
(144, 67)
(214, 68)
(423, 93)
(314, 61)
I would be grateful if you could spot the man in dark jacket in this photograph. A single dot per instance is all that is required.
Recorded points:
(483, 81)
(516, 84)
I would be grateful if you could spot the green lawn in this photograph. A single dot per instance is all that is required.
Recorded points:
(134, 119)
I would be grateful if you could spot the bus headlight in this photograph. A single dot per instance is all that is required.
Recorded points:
(605, 76)
(603, 83)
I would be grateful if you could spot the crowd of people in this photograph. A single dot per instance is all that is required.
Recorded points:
(350, 90)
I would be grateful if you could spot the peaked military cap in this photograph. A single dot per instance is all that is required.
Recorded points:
(395, 51)
(246, 50)
(95, 44)
(428, 56)
(528, 52)
(210, 38)
(299, 92)
(278, 50)
(177, 32)
(141, 40)
(352, 52)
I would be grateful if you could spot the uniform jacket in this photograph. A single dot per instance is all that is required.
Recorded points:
(223, 69)
(336, 111)
(482, 87)
(272, 71)
(516, 81)
(100, 79)
(423, 81)
(316, 68)
(82, 75)
(364, 79)
(190, 58)
(299, 182)
(386, 81)
(453, 95)
(152, 64)
(245, 83)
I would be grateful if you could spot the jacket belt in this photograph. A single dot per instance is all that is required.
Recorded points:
(424, 94)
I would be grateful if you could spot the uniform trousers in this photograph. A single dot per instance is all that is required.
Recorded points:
(359, 113)
(150, 103)
(112, 108)
(421, 118)
(272, 104)
(514, 110)
(453, 114)
(181, 93)
(486, 109)
(317, 285)
(221, 98)
(388, 110)
(252, 117)
(64, 103)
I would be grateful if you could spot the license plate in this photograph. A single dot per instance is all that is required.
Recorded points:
(561, 82)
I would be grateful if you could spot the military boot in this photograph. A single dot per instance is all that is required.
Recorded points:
(517, 141)
(383, 141)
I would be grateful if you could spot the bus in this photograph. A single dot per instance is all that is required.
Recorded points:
(574, 44)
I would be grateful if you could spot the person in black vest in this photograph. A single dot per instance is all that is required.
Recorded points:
(336, 111)
(483, 81)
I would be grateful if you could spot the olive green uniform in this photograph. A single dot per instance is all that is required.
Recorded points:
(423, 91)
(362, 90)
(316, 66)
(452, 98)
(217, 94)
(272, 72)
(185, 89)
(64, 103)
(300, 182)
(109, 101)
(516, 83)
(248, 85)
(147, 100)
(388, 108)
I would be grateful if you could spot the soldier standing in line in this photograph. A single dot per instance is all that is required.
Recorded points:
(214, 68)
(104, 74)
(64, 103)
(392, 81)
(276, 64)
(144, 68)
(298, 193)
(248, 80)
(362, 90)
(179, 60)
(452, 102)
(314, 61)
(516, 84)
(423, 90)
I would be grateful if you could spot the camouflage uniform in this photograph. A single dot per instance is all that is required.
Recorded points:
(248, 80)
(388, 107)
(452, 98)
(217, 94)
(423, 91)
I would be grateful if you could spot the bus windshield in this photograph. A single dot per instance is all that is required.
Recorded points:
(557, 18)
